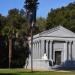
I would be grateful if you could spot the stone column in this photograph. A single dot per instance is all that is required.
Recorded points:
(34, 50)
(39, 48)
(50, 49)
(42, 48)
(62, 55)
(47, 47)
(65, 51)
(70, 50)
(53, 52)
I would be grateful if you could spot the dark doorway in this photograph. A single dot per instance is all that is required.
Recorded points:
(57, 57)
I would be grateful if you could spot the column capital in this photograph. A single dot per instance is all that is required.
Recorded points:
(39, 40)
(47, 40)
(70, 41)
(50, 49)
(35, 42)
(51, 40)
(42, 40)
(67, 41)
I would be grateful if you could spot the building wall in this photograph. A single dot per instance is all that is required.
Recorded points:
(59, 46)
(62, 39)
(73, 50)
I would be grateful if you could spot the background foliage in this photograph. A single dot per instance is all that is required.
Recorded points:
(16, 23)
(64, 16)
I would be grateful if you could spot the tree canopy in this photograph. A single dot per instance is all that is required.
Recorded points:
(62, 16)
(14, 24)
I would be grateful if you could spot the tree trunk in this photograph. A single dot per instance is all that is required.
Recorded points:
(10, 50)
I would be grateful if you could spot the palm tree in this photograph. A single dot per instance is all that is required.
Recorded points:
(31, 7)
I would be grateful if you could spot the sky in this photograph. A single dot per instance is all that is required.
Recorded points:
(43, 7)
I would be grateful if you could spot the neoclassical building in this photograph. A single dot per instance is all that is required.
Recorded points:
(53, 48)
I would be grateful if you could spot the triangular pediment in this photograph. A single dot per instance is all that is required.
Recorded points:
(58, 32)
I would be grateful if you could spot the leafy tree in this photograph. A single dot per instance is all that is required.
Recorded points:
(31, 8)
(20, 50)
(12, 26)
(3, 47)
(62, 16)
(2, 22)
(18, 24)
(3, 53)
(41, 23)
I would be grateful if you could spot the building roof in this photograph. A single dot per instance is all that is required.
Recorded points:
(58, 31)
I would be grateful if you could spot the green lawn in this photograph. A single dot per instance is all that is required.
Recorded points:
(48, 73)
(28, 72)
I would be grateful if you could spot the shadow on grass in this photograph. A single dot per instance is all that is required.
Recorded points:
(29, 72)
(8, 74)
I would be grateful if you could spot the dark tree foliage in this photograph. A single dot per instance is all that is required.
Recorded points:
(31, 8)
(16, 23)
(3, 53)
(62, 16)
(41, 24)
(3, 46)
(2, 22)
(20, 51)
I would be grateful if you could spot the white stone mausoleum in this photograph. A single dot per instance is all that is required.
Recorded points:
(54, 48)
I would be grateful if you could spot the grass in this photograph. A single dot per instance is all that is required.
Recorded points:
(12, 71)
(48, 73)
(28, 72)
